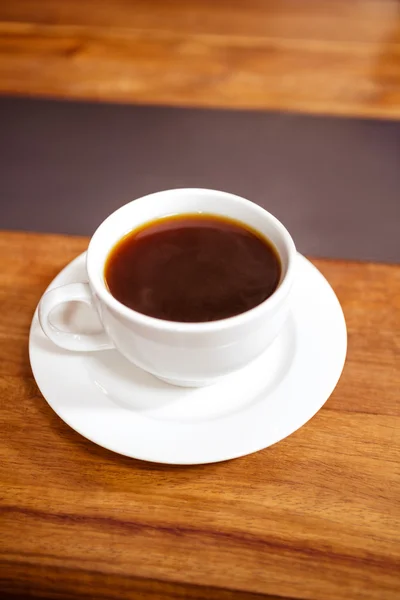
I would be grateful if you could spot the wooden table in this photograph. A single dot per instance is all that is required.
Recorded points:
(313, 517)
(320, 56)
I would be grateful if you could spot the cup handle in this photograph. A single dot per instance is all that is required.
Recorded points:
(80, 342)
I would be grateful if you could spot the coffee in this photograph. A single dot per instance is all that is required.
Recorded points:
(192, 268)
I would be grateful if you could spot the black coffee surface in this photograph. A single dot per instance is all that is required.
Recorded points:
(192, 268)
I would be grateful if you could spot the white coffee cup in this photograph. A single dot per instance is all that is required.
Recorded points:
(184, 354)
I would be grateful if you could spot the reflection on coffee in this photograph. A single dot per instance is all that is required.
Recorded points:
(192, 268)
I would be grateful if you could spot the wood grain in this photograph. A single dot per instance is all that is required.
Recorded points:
(336, 57)
(314, 517)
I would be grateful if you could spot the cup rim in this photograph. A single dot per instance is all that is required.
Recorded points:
(208, 326)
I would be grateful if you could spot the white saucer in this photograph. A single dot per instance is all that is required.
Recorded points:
(120, 407)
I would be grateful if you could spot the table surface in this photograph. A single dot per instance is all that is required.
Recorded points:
(331, 56)
(314, 517)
